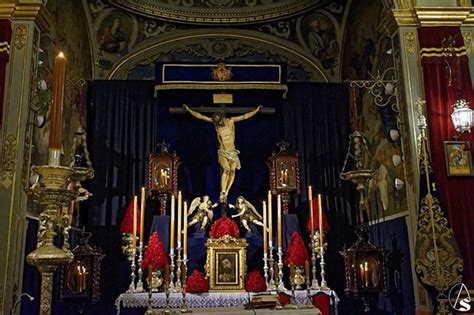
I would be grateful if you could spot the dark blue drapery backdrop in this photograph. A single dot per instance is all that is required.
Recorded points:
(125, 122)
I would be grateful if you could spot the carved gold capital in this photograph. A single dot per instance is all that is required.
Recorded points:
(32, 10)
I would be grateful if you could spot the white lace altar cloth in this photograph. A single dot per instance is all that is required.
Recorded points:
(206, 300)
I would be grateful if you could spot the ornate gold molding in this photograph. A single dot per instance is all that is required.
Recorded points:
(34, 11)
(467, 36)
(20, 36)
(405, 17)
(438, 16)
(410, 42)
(434, 16)
(8, 160)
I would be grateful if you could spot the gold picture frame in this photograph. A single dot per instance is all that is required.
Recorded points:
(458, 158)
(226, 265)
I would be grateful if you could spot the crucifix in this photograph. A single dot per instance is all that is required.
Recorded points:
(225, 129)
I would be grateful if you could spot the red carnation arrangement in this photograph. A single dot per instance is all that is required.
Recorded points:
(224, 226)
(127, 221)
(326, 226)
(255, 282)
(196, 283)
(155, 254)
(296, 254)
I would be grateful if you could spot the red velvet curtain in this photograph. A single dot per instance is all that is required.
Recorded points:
(446, 78)
(5, 36)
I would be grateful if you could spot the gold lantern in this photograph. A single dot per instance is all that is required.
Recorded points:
(284, 174)
(163, 174)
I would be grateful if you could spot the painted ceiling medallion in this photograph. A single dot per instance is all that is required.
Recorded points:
(218, 11)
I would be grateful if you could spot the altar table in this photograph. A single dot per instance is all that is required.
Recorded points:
(243, 311)
(325, 300)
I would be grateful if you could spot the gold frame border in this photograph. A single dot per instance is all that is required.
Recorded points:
(226, 245)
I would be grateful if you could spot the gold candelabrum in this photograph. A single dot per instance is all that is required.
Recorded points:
(314, 247)
(271, 262)
(130, 250)
(51, 194)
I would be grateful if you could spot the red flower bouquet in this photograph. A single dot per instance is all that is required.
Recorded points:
(326, 226)
(255, 282)
(127, 221)
(297, 253)
(196, 283)
(224, 226)
(155, 254)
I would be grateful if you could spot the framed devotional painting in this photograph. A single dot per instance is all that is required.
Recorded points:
(458, 158)
(226, 264)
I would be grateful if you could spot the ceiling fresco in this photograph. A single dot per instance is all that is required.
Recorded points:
(219, 11)
(314, 34)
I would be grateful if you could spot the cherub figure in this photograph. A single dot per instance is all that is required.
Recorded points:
(247, 213)
(204, 213)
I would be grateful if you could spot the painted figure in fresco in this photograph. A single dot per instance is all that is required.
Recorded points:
(323, 44)
(111, 38)
(204, 213)
(227, 153)
(247, 213)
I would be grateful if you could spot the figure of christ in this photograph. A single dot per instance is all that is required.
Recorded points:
(228, 155)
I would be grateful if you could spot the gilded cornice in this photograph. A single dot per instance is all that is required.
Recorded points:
(405, 17)
(27, 11)
(434, 16)
(439, 16)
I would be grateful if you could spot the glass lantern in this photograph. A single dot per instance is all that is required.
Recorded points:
(462, 116)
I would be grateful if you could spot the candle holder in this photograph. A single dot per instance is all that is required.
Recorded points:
(309, 297)
(130, 251)
(292, 304)
(139, 287)
(149, 310)
(184, 305)
(171, 280)
(323, 264)
(271, 261)
(50, 195)
(167, 299)
(132, 288)
(314, 241)
(281, 285)
(178, 286)
(265, 268)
